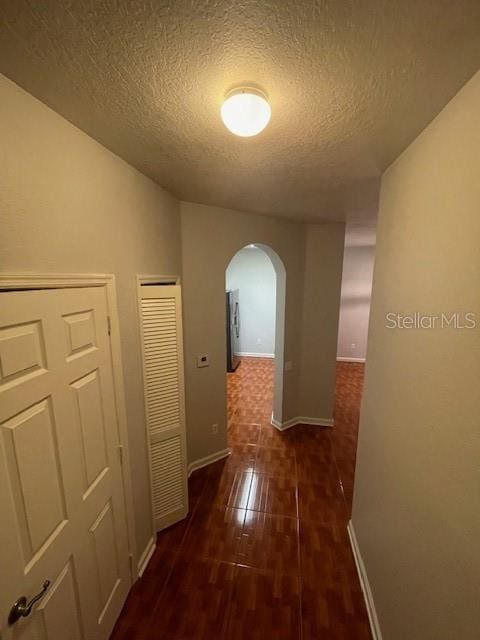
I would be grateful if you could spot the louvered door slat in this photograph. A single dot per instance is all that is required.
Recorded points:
(165, 383)
(164, 410)
(172, 399)
(160, 309)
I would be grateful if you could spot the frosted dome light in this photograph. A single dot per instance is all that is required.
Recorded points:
(245, 112)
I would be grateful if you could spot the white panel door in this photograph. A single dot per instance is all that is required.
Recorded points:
(61, 494)
(162, 342)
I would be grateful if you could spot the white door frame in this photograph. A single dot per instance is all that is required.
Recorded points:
(12, 281)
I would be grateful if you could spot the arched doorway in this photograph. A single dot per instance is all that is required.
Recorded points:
(254, 312)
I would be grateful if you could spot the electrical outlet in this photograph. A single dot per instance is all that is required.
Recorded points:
(259, 341)
(354, 346)
(289, 365)
(214, 429)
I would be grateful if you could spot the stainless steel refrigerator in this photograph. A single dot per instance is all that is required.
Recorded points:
(233, 330)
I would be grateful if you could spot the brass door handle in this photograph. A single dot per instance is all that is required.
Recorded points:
(22, 608)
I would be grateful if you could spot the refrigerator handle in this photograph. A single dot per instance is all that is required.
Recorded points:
(236, 320)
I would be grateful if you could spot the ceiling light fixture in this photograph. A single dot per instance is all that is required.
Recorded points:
(245, 112)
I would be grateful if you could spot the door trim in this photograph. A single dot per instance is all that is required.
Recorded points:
(149, 279)
(29, 281)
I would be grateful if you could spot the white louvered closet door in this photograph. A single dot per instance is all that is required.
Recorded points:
(161, 320)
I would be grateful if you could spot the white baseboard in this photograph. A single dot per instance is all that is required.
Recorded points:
(367, 592)
(276, 423)
(288, 424)
(145, 557)
(246, 354)
(203, 462)
(350, 359)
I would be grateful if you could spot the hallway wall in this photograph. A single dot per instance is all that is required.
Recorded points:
(68, 205)
(320, 314)
(210, 238)
(416, 503)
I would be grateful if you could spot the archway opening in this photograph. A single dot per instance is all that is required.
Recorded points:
(255, 280)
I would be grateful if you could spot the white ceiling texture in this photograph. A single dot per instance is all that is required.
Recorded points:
(351, 83)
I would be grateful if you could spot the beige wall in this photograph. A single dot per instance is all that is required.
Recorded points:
(321, 302)
(69, 205)
(210, 238)
(417, 501)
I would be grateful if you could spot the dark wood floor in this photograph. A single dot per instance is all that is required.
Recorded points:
(264, 553)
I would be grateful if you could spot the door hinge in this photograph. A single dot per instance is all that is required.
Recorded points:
(109, 324)
(120, 452)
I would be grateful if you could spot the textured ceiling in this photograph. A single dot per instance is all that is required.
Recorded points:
(350, 82)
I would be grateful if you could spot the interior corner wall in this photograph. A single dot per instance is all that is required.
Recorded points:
(416, 502)
(324, 245)
(68, 205)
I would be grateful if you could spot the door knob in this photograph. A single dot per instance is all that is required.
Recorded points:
(22, 608)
